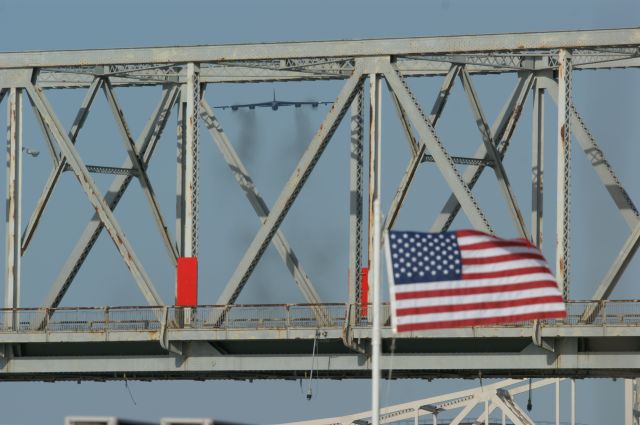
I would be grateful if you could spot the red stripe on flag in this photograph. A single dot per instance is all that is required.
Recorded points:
(502, 258)
(505, 273)
(476, 290)
(482, 321)
(477, 306)
(469, 232)
(496, 244)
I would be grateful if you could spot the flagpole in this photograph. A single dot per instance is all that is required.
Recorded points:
(374, 136)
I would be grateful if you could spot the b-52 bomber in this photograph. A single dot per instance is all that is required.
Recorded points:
(273, 104)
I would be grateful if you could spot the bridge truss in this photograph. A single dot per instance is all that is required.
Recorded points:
(226, 340)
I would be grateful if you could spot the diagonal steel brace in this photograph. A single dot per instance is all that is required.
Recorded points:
(502, 130)
(243, 178)
(291, 190)
(493, 154)
(95, 197)
(418, 150)
(141, 170)
(145, 145)
(442, 159)
(61, 164)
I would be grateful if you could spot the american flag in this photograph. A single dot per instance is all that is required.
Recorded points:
(467, 278)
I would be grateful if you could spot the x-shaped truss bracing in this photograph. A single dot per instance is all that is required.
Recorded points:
(184, 74)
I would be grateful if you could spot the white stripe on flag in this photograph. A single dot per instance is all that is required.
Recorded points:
(502, 266)
(495, 252)
(472, 283)
(474, 239)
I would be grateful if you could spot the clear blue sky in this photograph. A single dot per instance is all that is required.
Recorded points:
(263, 138)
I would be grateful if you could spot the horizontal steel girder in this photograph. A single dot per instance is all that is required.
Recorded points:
(328, 49)
(244, 348)
(269, 359)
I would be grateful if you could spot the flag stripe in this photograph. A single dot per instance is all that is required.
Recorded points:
(493, 244)
(478, 305)
(501, 266)
(494, 252)
(471, 283)
(481, 314)
(505, 273)
(478, 322)
(542, 291)
(476, 290)
(502, 258)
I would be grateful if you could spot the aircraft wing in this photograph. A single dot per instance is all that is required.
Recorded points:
(273, 105)
(298, 104)
(245, 105)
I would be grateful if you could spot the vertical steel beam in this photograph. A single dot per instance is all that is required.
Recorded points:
(437, 150)
(537, 165)
(95, 197)
(502, 130)
(243, 178)
(493, 154)
(145, 146)
(180, 170)
(563, 201)
(147, 189)
(356, 160)
(191, 164)
(374, 163)
(13, 202)
(291, 190)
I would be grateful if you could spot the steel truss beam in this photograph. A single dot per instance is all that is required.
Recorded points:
(245, 181)
(145, 146)
(534, 57)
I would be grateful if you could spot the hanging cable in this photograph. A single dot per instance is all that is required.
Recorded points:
(313, 359)
(529, 404)
(126, 385)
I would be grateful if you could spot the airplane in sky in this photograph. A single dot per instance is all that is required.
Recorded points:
(273, 104)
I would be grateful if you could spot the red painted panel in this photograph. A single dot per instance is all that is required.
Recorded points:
(364, 293)
(187, 284)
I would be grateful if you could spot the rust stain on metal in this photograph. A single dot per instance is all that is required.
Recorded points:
(563, 135)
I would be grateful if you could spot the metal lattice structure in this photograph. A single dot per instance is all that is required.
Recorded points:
(155, 343)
